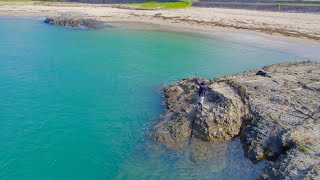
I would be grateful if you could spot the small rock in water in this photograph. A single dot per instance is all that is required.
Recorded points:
(72, 21)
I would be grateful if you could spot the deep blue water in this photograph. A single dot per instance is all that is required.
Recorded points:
(77, 104)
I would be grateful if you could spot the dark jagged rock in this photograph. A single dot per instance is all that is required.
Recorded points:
(263, 73)
(274, 116)
(73, 21)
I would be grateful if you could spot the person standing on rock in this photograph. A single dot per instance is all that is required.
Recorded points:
(203, 88)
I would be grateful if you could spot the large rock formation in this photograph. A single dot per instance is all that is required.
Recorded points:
(220, 119)
(276, 112)
(75, 21)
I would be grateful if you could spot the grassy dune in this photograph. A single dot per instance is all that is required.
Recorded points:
(145, 5)
(161, 5)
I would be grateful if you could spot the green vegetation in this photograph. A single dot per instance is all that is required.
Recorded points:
(303, 149)
(161, 5)
(270, 116)
(145, 5)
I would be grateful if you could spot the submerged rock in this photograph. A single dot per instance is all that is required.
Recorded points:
(73, 21)
(275, 111)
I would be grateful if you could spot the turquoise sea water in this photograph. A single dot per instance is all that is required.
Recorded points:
(77, 104)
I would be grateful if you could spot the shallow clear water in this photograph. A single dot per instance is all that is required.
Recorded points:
(77, 104)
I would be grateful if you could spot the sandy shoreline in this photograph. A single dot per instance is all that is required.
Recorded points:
(303, 26)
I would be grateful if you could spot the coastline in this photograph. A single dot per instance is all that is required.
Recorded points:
(305, 48)
(295, 82)
(251, 105)
(193, 19)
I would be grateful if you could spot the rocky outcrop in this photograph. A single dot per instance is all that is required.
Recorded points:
(73, 21)
(220, 119)
(286, 103)
(300, 162)
(275, 111)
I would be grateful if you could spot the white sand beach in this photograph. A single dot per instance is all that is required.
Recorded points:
(299, 25)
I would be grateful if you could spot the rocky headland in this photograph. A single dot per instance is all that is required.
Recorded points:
(275, 111)
(74, 21)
